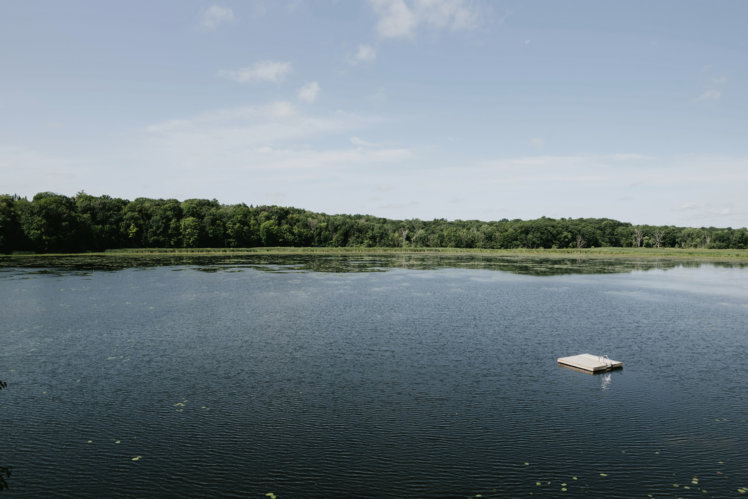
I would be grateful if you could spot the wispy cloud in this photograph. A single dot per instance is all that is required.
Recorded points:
(256, 135)
(364, 53)
(714, 89)
(271, 71)
(362, 143)
(687, 206)
(251, 148)
(216, 15)
(710, 94)
(400, 18)
(314, 159)
(396, 18)
(249, 119)
(309, 92)
(723, 212)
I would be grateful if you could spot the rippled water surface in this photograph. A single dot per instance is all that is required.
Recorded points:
(372, 377)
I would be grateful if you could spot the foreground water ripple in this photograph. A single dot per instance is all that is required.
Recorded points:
(429, 383)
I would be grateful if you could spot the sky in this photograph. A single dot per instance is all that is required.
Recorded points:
(455, 109)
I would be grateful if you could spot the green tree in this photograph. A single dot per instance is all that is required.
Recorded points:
(50, 222)
(100, 218)
(190, 229)
(11, 235)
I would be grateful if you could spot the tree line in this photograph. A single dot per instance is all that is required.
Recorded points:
(57, 223)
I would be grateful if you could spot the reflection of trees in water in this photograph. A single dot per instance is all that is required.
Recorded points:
(4, 473)
(4, 470)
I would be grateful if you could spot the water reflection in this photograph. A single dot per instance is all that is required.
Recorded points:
(4, 475)
(605, 381)
(4, 470)
(527, 265)
(408, 383)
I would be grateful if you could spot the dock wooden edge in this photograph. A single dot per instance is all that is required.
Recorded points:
(591, 364)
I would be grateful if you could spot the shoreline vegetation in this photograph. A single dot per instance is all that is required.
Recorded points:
(698, 255)
(59, 224)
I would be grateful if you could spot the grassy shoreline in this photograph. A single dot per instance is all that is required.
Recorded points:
(584, 253)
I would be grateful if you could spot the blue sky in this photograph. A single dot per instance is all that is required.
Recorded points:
(426, 109)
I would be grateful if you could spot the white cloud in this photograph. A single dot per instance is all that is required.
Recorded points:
(400, 19)
(310, 159)
(262, 138)
(362, 143)
(688, 206)
(244, 118)
(236, 134)
(216, 15)
(365, 53)
(309, 92)
(396, 19)
(244, 152)
(272, 71)
(710, 95)
(714, 88)
(720, 211)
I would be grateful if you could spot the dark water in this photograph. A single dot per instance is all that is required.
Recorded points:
(372, 377)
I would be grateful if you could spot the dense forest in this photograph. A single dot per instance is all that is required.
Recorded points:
(56, 223)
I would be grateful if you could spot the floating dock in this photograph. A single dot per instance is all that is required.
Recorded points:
(590, 363)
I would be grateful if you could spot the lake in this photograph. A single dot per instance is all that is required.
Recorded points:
(371, 376)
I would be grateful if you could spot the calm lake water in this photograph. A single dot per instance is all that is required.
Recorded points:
(371, 377)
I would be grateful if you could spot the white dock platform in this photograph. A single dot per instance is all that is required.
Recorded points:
(590, 363)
